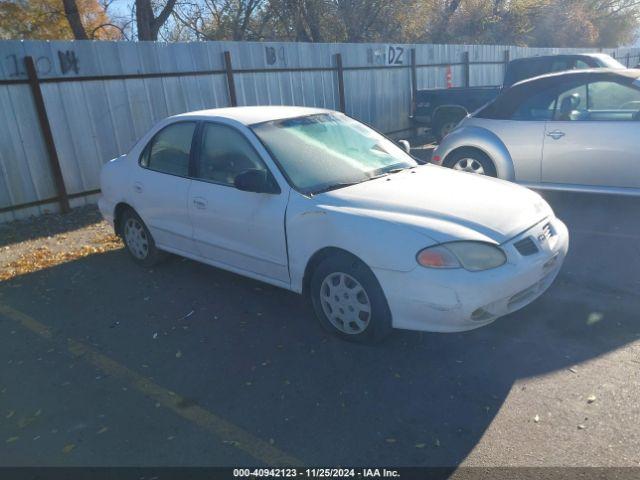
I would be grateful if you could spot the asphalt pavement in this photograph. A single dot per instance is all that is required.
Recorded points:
(103, 362)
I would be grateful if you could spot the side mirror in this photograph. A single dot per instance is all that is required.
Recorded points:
(406, 146)
(254, 180)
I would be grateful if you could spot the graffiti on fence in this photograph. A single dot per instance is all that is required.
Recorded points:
(389, 55)
(275, 55)
(67, 60)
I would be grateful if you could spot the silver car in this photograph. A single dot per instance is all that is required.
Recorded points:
(577, 130)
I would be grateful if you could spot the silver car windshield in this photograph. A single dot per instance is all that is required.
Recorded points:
(329, 150)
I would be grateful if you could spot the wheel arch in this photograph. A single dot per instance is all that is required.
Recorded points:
(481, 140)
(317, 258)
(442, 110)
(118, 211)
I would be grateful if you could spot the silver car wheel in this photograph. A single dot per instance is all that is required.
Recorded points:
(469, 165)
(136, 238)
(345, 303)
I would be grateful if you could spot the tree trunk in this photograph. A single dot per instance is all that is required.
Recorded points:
(147, 24)
(75, 22)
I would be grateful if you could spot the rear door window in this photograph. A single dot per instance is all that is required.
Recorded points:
(170, 149)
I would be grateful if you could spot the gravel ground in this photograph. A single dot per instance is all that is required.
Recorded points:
(39, 242)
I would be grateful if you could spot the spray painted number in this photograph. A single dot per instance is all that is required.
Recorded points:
(395, 55)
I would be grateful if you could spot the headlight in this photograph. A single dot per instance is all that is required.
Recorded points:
(472, 256)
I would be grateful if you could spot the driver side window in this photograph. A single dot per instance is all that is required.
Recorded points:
(224, 154)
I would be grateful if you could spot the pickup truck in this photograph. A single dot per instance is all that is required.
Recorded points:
(442, 109)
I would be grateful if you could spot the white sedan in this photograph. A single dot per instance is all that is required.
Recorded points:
(315, 202)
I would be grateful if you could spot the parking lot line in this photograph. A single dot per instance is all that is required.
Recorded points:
(226, 431)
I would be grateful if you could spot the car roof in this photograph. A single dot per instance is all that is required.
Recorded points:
(255, 114)
(631, 73)
(562, 55)
(505, 103)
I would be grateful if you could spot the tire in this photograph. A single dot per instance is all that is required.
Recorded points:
(445, 122)
(138, 240)
(342, 289)
(471, 160)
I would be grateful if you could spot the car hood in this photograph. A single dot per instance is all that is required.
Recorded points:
(444, 204)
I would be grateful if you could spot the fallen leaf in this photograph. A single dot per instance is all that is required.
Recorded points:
(420, 445)
(437, 443)
(536, 418)
(591, 398)
(12, 439)
(581, 427)
(11, 414)
(178, 354)
(67, 448)
(390, 440)
(102, 430)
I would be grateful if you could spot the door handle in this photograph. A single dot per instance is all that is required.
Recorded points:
(556, 134)
(200, 203)
(137, 187)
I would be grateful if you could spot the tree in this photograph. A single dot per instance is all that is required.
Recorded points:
(147, 23)
(50, 20)
(75, 21)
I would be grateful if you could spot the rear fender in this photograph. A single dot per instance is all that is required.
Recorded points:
(469, 136)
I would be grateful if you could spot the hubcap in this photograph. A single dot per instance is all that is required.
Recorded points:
(136, 238)
(469, 165)
(345, 303)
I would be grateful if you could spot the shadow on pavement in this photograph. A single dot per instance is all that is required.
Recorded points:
(254, 355)
(48, 225)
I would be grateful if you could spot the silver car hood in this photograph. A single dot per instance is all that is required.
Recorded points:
(444, 204)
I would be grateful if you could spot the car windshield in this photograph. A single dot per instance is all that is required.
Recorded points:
(329, 150)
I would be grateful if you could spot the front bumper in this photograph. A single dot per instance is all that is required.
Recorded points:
(458, 300)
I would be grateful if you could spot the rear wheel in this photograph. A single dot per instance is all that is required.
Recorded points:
(138, 240)
(471, 160)
(349, 301)
(445, 122)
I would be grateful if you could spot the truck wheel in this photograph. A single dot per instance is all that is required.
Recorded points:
(471, 160)
(445, 122)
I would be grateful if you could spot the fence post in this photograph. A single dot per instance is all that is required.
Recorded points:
(507, 58)
(414, 82)
(467, 69)
(45, 128)
(628, 60)
(340, 72)
(233, 100)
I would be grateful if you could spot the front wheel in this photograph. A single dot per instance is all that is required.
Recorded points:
(472, 161)
(349, 301)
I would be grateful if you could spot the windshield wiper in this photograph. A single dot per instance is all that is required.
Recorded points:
(334, 186)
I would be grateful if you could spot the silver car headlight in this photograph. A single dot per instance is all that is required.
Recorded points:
(472, 256)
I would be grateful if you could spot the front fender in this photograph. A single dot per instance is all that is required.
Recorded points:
(378, 243)
(469, 136)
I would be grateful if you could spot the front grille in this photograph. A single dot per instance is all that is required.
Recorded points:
(548, 231)
(526, 246)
